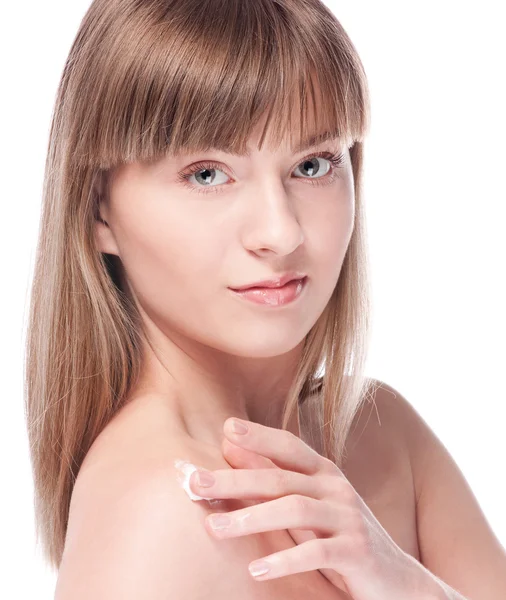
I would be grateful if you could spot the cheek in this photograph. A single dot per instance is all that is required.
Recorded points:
(329, 231)
(330, 227)
(172, 259)
(159, 230)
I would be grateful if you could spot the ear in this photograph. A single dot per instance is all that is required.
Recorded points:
(104, 237)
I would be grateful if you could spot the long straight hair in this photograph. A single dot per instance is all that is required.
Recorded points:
(145, 78)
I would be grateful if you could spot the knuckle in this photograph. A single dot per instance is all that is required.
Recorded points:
(328, 466)
(331, 485)
(290, 442)
(299, 504)
(325, 553)
(281, 480)
(340, 486)
(346, 491)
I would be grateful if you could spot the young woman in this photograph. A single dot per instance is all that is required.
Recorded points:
(199, 148)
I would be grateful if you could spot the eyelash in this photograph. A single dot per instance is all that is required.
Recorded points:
(336, 159)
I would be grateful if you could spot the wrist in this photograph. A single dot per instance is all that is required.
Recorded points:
(429, 586)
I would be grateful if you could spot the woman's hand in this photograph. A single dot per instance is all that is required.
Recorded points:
(308, 495)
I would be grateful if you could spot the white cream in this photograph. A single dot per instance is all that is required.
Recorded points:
(185, 469)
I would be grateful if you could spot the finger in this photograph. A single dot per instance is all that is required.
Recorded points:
(309, 556)
(288, 512)
(261, 483)
(282, 447)
(240, 458)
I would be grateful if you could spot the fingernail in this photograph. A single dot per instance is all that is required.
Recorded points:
(259, 567)
(239, 427)
(205, 479)
(219, 521)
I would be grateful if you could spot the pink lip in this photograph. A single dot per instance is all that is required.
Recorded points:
(274, 297)
(275, 282)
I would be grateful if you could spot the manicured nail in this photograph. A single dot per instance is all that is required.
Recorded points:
(259, 567)
(219, 521)
(239, 427)
(205, 479)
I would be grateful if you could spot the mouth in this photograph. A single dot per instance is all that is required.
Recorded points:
(274, 296)
(274, 282)
(270, 286)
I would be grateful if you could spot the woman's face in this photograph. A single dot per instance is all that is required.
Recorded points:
(234, 221)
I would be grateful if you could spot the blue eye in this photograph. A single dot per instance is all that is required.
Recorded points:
(207, 172)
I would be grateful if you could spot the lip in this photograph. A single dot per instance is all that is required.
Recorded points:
(274, 282)
(289, 294)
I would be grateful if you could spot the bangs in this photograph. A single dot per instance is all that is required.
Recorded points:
(187, 76)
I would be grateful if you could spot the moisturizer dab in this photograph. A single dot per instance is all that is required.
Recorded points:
(186, 468)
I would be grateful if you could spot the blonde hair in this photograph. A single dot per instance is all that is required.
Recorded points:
(145, 78)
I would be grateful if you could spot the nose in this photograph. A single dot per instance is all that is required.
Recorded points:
(272, 224)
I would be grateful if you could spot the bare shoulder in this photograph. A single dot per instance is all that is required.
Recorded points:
(133, 531)
(377, 453)
(409, 428)
(456, 541)
(391, 425)
(388, 416)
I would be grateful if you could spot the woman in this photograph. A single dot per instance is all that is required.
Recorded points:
(198, 148)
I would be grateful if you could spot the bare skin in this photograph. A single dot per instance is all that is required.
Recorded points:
(143, 437)
(211, 354)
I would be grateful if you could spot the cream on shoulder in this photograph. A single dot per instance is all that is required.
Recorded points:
(186, 468)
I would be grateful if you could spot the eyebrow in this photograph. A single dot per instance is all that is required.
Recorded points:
(313, 140)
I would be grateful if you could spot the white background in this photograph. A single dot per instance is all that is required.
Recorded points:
(435, 195)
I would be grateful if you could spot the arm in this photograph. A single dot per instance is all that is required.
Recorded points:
(457, 545)
(134, 533)
(125, 541)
